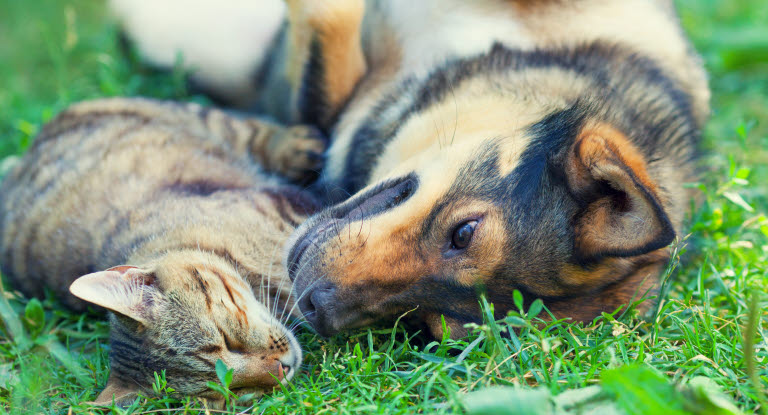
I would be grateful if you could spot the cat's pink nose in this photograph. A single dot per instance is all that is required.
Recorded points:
(280, 371)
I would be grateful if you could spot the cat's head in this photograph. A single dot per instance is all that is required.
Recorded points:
(181, 314)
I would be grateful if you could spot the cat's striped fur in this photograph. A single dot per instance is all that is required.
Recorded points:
(174, 191)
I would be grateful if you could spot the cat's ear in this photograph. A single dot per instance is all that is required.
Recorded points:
(125, 289)
(121, 393)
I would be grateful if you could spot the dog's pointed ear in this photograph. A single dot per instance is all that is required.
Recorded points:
(622, 213)
(125, 289)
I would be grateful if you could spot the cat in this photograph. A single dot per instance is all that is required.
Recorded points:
(179, 193)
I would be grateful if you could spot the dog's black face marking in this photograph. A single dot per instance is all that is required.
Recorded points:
(519, 201)
(600, 62)
(550, 219)
(524, 222)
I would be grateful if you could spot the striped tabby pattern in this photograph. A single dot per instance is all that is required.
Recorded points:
(177, 192)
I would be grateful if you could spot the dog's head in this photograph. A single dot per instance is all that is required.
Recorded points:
(560, 204)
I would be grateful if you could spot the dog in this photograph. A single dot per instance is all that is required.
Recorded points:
(485, 147)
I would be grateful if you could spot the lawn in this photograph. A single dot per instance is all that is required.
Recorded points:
(704, 349)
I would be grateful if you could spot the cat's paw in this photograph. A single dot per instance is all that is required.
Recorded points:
(299, 155)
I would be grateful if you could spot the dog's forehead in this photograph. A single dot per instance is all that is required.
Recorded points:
(445, 132)
(464, 176)
(511, 175)
(510, 164)
(474, 175)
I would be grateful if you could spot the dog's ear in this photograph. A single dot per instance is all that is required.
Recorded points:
(622, 213)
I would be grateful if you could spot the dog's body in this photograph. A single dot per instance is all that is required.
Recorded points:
(539, 146)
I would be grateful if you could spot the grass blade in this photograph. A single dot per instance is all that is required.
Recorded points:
(750, 331)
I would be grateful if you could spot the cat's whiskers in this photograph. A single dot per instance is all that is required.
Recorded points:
(298, 322)
(292, 290)
(307, 290)
(282, 281)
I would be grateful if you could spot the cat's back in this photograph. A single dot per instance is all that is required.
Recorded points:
(94, 164)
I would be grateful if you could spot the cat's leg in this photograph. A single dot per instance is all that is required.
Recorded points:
(318, 63)
(294, 152)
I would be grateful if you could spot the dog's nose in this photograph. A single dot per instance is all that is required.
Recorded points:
(318, 306)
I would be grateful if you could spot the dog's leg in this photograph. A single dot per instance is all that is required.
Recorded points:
(324, 56)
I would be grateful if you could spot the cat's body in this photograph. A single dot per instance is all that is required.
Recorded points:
(173, 191)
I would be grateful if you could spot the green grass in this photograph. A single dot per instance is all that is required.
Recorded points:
(54, 52)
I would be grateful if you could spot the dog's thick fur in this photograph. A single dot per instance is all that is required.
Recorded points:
(550, 138)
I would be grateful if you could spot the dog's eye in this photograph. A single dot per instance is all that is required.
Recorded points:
(463, 234)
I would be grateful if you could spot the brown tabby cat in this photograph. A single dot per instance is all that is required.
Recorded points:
(175, 191)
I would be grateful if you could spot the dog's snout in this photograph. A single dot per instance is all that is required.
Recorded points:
(313, 261)
(317, 306)
(322, 297)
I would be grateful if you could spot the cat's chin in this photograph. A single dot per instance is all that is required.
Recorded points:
(244, 392)
(245, 396)
(211, 400)
(118, 401)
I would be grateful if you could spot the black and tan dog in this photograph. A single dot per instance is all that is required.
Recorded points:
(491, 145)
